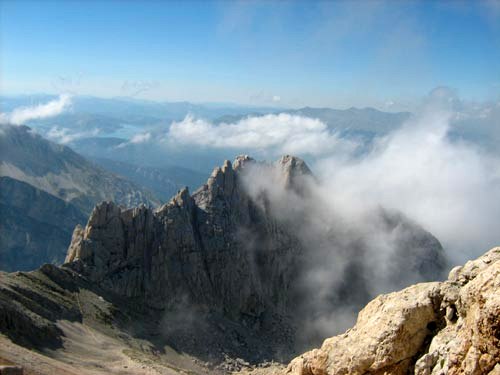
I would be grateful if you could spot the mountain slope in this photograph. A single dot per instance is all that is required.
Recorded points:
(163, 182)
(47, 189)
(59, 171)
(448, 327)
(35, 227)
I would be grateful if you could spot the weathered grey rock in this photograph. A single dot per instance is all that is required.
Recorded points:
(470, 341)
(193, 247)
(293, 169)
(222, 249)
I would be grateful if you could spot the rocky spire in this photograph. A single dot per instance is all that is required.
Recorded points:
(217, 248)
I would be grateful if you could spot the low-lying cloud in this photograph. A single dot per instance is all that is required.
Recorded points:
(451, 187)
(67, 135)
(281, 133)
(22, 115)
(136, 139)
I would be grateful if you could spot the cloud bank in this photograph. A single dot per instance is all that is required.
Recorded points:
(23, 114)
(451, 187)
(282, 133)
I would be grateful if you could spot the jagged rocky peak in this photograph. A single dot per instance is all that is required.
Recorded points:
(222, 250)
(242, 161)
(181, 199)
(289, 168)
(223, 177)
(293, 166)
(293, 170)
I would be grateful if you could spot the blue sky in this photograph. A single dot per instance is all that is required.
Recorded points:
(286, 53)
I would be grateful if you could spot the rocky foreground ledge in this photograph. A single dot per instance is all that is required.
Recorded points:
(450, 327)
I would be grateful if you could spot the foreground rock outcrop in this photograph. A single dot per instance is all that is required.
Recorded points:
(439, 328)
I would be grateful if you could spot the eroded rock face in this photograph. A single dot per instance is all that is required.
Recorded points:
(204, 248)
(227, 249)
(470, 341)
(451, 327)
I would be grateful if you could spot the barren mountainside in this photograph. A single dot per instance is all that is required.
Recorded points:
(35, 226)
(59, 171)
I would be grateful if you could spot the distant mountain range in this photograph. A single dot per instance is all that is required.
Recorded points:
(130, 108)
(121, 117)
(101, 128)
(363, 120)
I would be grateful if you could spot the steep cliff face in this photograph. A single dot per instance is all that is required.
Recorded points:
(215, 248)
(451, 327)
(230, 248)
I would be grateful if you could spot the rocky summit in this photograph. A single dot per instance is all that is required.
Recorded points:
(221, 280)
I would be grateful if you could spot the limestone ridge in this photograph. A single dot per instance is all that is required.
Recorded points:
(436, 328)
(195, 247)
(223, 250)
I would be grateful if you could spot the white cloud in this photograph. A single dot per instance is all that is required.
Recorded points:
(66, 135)
(141, 138)
(23, 114)
(277, 133)
(389, 104)
(136, 139)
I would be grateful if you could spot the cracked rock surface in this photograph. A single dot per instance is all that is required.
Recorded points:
(450, 327)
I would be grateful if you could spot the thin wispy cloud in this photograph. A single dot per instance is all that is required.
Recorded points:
(135, 88)
(136, 139)
(24, 114)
